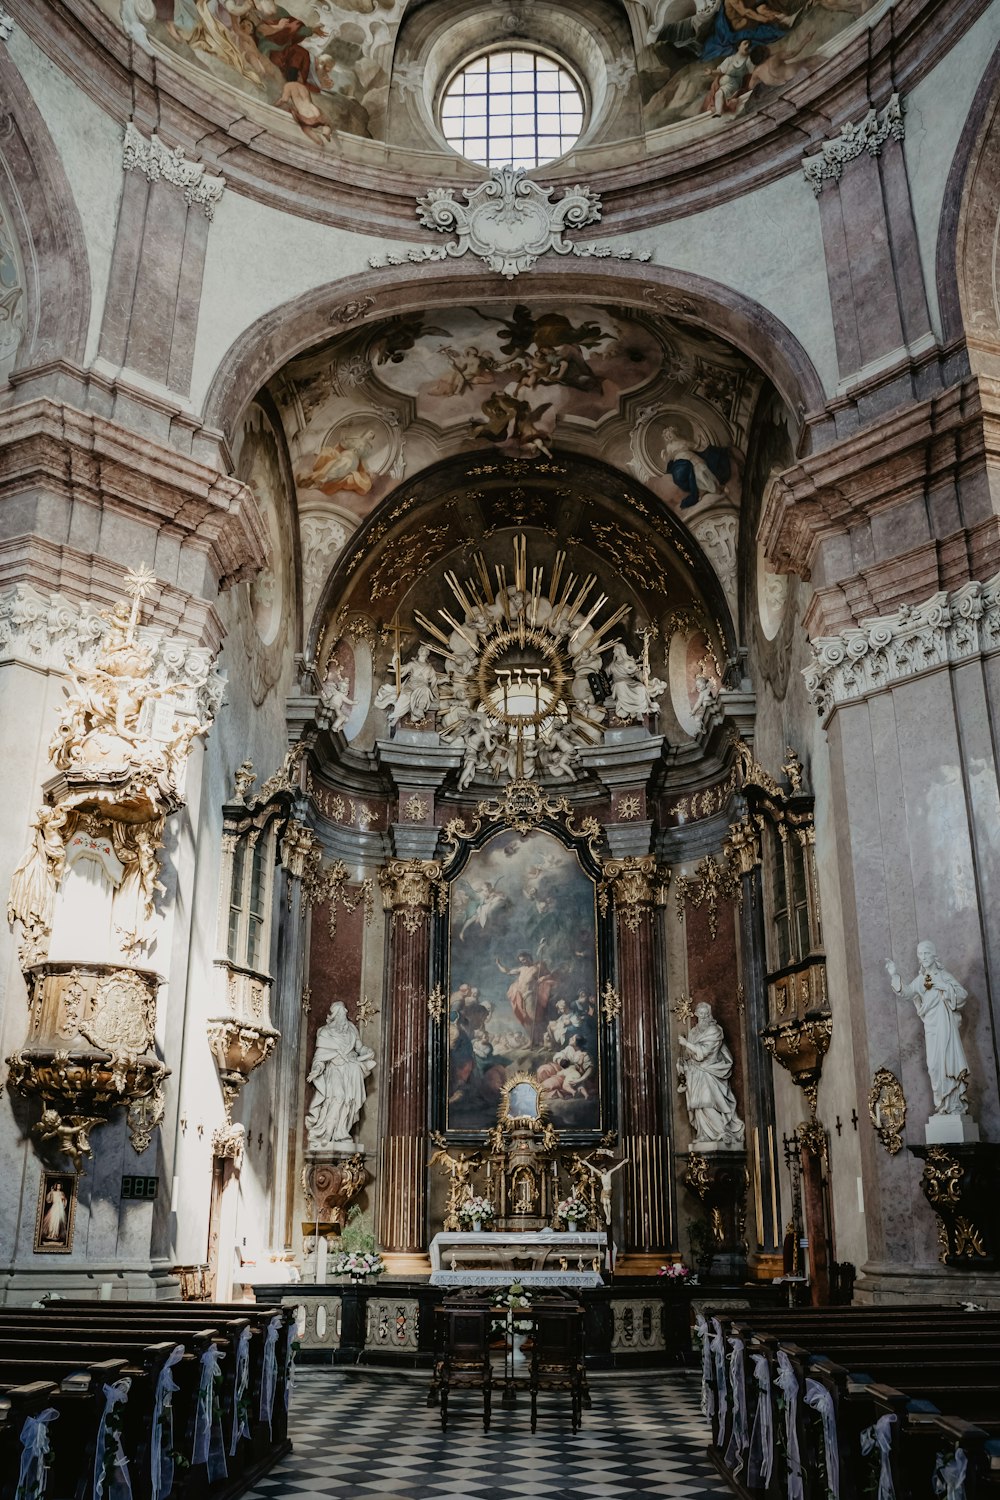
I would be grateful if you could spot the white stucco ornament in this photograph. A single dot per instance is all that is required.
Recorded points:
(508, 221)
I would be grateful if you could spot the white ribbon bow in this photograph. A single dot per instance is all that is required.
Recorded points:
(289, 1368)
(35, 1449)
(738, 1437)
(718, 1347)
(119, 1483)
(820, 1399)
(949, 1474)
(879, 1436)
(269, 1374)
(788, 1384)
(761, 1457)
(161, 1449)
(209, 1444)
(241, 1414)
(707, 1395)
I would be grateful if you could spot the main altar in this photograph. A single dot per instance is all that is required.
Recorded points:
(534, 1258)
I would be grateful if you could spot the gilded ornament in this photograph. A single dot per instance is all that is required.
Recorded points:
(792, 768)
(628, 808)
(121, 1021)
(942, 1177)
(415, 809)
(887, 1109)
(713, 882)
(611, 1002)
(436, 1003)
(328, 885)
(696, 1175)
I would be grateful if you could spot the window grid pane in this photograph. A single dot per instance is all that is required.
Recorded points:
(517, 108)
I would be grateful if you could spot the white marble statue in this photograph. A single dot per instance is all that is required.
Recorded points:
(707, 691)
(417, 694)
(938, 998)
(335, 701)
(632, 696)
(340, 1065)
(705, 1068)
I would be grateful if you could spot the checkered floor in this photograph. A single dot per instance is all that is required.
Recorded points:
(374, 1435)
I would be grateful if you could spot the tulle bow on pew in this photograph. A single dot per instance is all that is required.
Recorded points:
(119, 1485)
(35, 1448)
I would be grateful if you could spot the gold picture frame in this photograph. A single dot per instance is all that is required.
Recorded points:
(513, 1096)
(56, 1216)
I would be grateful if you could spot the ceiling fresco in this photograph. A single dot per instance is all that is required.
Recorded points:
(324, 67)
(666, 404)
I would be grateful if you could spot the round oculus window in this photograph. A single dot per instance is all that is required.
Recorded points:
(520, 109)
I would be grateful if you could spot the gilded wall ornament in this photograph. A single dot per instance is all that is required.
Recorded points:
(611, 1002)
(800, 1047)
(887, 1109)
(329, 885)
(712, 883)
(436, 1005)
(523, 805)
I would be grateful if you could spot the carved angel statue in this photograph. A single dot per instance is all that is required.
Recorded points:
(706, 691)
(632, 695)
(460, 1170)
(335, 702)
(35, 881)
(938, 999)
(705, 1068)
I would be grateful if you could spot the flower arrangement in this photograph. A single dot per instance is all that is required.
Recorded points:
(475, 1212)
(572, 1210)
(677, 1272)
(358, 1264)
(357, 1256)
(516, 1299)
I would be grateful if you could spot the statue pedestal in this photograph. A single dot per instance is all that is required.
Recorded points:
(943, 1130)
(961, 1183)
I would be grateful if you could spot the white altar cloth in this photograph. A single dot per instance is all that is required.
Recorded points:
(527, 1279)
(514, 1251)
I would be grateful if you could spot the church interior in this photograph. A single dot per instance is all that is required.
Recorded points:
(500, 676)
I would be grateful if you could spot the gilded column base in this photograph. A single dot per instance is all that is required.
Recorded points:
(962, 1185)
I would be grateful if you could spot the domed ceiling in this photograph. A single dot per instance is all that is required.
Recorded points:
(322, 69)
(523, 389)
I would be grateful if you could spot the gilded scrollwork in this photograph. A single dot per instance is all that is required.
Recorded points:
(887, 1109)
(611, 1002)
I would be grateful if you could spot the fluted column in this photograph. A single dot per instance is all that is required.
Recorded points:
(408, 890)
(636, 885)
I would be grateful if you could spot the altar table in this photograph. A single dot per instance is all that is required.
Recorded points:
(503, 1255)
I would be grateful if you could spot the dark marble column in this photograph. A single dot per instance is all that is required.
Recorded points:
(764, 1228)
(635, 883)
(408, 887)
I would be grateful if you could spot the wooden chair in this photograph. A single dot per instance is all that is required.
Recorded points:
(463, 1356)
(557, 1357)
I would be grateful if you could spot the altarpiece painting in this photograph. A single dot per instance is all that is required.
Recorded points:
(522, 966)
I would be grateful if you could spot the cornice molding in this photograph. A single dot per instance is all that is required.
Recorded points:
(49, 447)
(639, 188)
(899, 457)
(870, 135)
(881, 652)
(48, 631)
(160, 163)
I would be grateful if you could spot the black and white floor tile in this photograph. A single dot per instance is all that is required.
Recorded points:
(359, 1436)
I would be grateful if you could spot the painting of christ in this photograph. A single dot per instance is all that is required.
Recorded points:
(522, 955)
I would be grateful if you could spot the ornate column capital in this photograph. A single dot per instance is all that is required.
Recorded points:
(949, 627)
(635, 884)
(158, 162)
(409, 888)
(869, 134)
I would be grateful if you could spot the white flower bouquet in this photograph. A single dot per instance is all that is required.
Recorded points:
(475, 1212)
(358, 1264)
(572, 1211)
